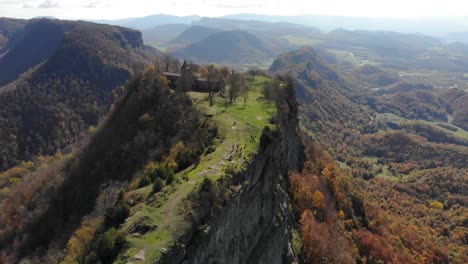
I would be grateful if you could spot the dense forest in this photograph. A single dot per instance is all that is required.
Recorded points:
(45, 201)
(63, 84)
(379, 190)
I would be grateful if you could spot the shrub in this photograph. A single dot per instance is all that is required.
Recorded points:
(210, 149)
(437, 205)
(206, 185)
(162, 172)
(109, 245)
(156, 170)
(117, 214)
(150, 169)
(144, 181)
(158, 185)
(92, 258)
(170, 178)
(187, 157)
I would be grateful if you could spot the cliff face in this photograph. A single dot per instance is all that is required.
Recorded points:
(255, 227)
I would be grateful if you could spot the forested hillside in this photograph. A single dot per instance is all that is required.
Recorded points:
(8, 28)
(61, 84)
(164, 165)
(323, 94)
(378, 187)
(46, 205)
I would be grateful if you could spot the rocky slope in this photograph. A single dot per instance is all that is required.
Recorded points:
(256, 224)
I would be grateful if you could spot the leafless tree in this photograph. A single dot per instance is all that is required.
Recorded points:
(166, 62)
(236, 86)
(212, 76)
(175, 65)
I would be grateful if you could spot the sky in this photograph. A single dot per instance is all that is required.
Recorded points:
(115, 9)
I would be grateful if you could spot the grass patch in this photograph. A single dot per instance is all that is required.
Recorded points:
(454, 130)
(237, 127)
(297, 241)
(301, 41)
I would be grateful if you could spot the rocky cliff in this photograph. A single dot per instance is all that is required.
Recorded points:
(255, 226)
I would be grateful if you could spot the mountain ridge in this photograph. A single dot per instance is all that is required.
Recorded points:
(194, 34)
(77, 75)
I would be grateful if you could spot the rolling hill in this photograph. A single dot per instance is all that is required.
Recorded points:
(233, 47)
(251, 25)
(194, 34)
(55, 87)
(457, 37)
(163, 33)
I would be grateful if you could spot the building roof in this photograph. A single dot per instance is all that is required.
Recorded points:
(171, 74)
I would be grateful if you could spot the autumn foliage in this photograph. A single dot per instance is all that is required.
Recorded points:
(322, 217)
(389, 222)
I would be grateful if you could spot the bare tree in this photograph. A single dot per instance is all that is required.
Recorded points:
(166, 62)
(157, 64)
(245, 93)
(236, 86)
(186, 78)
(212, 76)
(253, 72)
(175, 65)
(270, 90)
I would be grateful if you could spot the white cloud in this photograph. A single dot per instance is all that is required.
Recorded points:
(97, 9)
(48, 4)
(93, 4)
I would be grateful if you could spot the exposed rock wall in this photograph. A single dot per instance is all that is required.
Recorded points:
(255, 227)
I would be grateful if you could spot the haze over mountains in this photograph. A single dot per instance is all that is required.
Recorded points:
(286, 33)
(444, 28)
(148, 22)
(389, 49)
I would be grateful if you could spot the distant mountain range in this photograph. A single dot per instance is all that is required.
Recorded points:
(439, 27)
(430, 26)
(149, 22)
(457, 37)
(163, 33)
